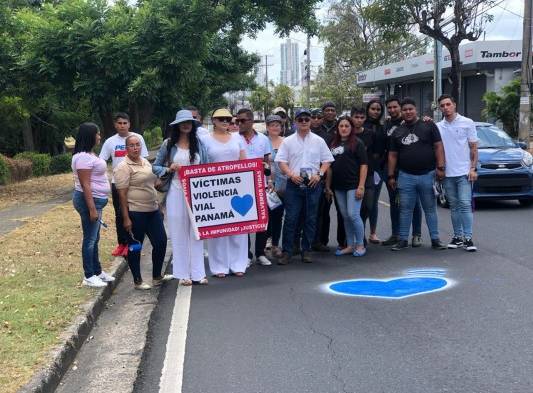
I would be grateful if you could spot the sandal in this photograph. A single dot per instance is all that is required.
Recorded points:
(219, 275)
(344, 251)
(203, 281)
(185, 282)
(374, 240)
(239, 274)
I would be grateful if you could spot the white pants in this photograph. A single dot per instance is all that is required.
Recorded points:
(187, 252)
(228, 253)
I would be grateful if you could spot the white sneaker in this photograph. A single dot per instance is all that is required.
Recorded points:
(249, 263)
(94, 282)
(262, 260)
(106, 277)
(142, 286)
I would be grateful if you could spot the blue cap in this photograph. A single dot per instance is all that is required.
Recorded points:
(182, 116)
(273, 118)
(302, 111)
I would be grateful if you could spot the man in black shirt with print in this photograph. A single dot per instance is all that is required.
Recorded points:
(417, 152)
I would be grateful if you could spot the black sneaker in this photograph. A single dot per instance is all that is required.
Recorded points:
(391, 241)
(438, 245)
(469, 245)
(400, 245)
(456, 242)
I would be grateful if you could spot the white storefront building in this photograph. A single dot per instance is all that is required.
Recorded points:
(486, 66)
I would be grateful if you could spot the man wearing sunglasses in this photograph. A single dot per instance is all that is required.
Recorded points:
(304, 158)
(257, 146)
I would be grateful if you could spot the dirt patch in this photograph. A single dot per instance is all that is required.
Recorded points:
(36, 190)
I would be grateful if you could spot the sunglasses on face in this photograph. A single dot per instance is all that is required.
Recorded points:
(224, 119)
(303, 119)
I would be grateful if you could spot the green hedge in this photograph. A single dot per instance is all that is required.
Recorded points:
(4, 170)
(40, 162)
(61, 163)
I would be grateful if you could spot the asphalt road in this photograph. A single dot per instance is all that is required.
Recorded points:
(278, 330)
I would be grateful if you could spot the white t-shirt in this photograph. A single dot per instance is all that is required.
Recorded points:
(257, 147)
(219, 152)
(455, 137)
(183, 158)
(308, 152)
(201, 131)
(115, 148)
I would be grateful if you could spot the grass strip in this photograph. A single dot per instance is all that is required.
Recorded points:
(40, 288)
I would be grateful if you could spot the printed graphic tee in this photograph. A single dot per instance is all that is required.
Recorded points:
(347, 166)
(115, 148)
(414, 144)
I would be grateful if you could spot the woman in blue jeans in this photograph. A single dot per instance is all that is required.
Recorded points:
(91, 190)
(135, 182)
(346, 178)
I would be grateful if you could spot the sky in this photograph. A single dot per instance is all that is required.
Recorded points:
(506, 25)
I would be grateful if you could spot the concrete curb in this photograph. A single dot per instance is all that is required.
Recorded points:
(47, 379)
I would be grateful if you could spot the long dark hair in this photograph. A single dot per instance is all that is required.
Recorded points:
(86, 137)
(175, 136)
(370, 118)
(352, 138)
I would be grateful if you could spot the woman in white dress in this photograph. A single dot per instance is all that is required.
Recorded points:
(226, 254)
(182, 148)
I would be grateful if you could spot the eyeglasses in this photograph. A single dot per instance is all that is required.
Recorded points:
(238, 121)
(132, 145)
(303, 120)
(224, 119)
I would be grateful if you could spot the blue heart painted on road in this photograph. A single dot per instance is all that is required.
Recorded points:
(395, 288)
(242, 205)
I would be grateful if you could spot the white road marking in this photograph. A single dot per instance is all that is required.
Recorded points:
(172, 374)
(384, 203)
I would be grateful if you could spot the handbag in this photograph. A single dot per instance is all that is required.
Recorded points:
(163, 183)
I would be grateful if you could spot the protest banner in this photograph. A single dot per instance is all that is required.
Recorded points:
(226, 198)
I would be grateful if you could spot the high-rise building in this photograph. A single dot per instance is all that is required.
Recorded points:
(290, 67)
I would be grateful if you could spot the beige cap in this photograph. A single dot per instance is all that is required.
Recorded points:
(222, 112)
(278, 110)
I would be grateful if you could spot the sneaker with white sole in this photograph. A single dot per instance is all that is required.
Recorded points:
(94, 282)
(469, 245)
(249, 263)
(142, 286)
(262, 260)
(105, 277)
(456, 242)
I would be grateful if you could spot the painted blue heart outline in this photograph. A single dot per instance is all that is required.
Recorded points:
(449, 284)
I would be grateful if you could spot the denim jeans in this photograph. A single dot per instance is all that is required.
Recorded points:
(275, 223)
(151, 225)
(298, 200)
(394, 211)
(350, 209)
(459, 193)
(91, 233)
(411, 188)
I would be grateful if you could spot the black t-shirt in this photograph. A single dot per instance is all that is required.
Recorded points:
(326, 132)
(384, 139)
(347, 164)
(369, 139)
(415, 146)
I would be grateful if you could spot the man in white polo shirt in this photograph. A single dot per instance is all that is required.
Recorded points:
(115, 148)
(257, 146)
(304, 158)
(459, 138)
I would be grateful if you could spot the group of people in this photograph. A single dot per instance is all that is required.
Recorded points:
(322, 159)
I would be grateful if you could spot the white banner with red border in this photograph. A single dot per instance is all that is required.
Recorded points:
(226, 198)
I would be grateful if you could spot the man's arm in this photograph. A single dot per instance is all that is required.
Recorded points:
(472, 174)
(105, 153)
(284, 167)
(439, 156)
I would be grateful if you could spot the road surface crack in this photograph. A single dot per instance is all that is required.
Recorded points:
(330, 341)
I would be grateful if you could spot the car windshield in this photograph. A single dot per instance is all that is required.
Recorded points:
(493, 137)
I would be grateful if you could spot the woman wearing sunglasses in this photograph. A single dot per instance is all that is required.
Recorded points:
(227, 254)
(182, 148)
(135, 181)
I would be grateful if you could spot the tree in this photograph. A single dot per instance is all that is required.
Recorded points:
(337, 86)
(261, 100)
(467, 19)
(504, 106)
(283, 96)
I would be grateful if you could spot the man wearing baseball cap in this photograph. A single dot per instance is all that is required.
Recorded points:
(304, 158)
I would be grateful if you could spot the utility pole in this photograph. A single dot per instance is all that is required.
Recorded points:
(437, 79)
(266, 65)
(308, 70)
(525, 85)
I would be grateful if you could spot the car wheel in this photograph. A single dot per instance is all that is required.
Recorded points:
(526, 202)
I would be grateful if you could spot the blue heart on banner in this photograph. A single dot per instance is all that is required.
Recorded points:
(396, 288)
(242, 205)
